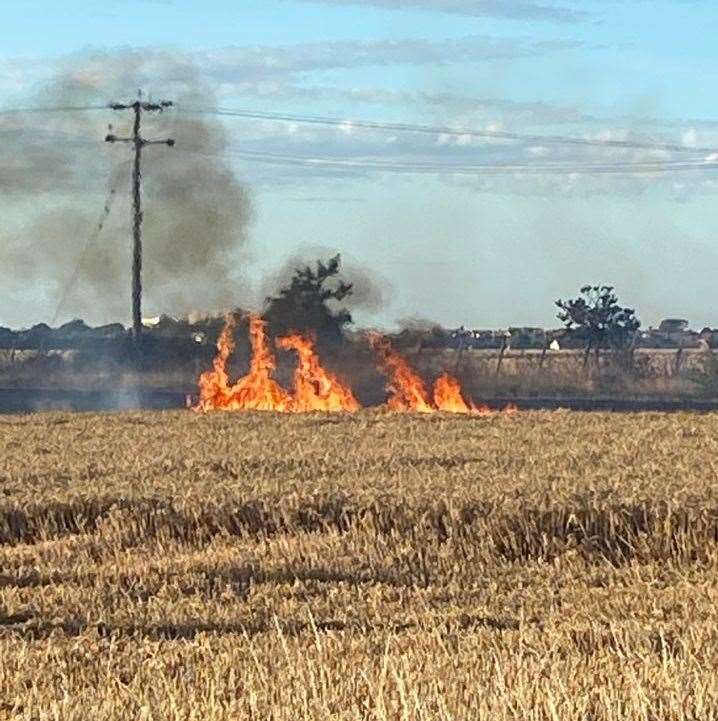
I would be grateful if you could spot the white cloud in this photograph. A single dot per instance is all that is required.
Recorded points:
(538, 151)
(690, 138)
(508, 9)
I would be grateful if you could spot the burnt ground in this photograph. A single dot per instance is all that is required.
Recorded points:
(26, 400)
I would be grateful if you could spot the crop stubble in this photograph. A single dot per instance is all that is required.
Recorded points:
(372, 566)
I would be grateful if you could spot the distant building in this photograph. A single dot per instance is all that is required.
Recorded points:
(514, 337)
(471, 339)
(671, 333)
(673, 325)
(527, 337)
(709, 336)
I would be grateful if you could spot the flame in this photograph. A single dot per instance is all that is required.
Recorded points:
(257, 391)
(449, 397)
(214, 385)
(408, 392)
(315, 389)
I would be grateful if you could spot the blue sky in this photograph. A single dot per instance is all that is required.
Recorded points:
(479, 249)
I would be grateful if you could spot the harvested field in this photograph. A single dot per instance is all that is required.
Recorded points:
(372, 566)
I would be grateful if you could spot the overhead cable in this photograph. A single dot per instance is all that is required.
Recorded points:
(349, 123)
(404, 166)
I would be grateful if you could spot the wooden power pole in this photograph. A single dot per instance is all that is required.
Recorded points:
(139, 143)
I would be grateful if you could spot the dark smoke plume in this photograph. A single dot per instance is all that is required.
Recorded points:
(417, 324)
(370, 292)
(56, 172)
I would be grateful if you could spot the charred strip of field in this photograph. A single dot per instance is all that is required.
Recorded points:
(32, 400)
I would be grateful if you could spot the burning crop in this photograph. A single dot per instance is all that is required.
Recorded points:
(257, 391)
(408, 391)
(315, 388)
(449, 397)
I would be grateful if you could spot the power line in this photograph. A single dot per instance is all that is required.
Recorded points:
(393, 127)
(90, 241)
(55, 109)
(397, 165)
(637, 167)
(443, 130)
(415, 128)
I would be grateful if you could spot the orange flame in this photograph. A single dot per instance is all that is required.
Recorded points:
(449, 397)
(315, 389)
(408, 392)
(257, 391)
(214, 389)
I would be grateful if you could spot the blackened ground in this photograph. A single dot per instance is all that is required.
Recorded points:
(24, 400)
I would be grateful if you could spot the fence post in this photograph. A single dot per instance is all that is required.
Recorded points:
(504, 344)
(679, 359)
(544, 350)
(459, 354)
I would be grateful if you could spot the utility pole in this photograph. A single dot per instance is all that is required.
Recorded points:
(139, 142)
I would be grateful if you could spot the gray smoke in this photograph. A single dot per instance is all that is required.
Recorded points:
(56, 172)
(419, 324)
(371, 290)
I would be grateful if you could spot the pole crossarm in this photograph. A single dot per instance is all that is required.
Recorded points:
(114, 139)
(149, 107)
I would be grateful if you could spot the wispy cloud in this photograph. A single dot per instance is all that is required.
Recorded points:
(509, 9)
(265, 63)
(266, 67)
(249, 76)
(276, 72)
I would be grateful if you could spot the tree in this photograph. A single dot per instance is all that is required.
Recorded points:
(304, 305)
(596, 316)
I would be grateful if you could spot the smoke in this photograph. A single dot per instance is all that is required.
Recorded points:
(371, 291)
(418, 324)
(56, 173)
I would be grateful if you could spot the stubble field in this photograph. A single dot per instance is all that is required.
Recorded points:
(371, 566)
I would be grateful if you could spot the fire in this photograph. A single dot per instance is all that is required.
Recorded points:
(408, 392)
(449, 397)
(315, 389)
(257, 391)
(214, 385)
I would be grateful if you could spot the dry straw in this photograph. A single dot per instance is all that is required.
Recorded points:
(377, 566)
